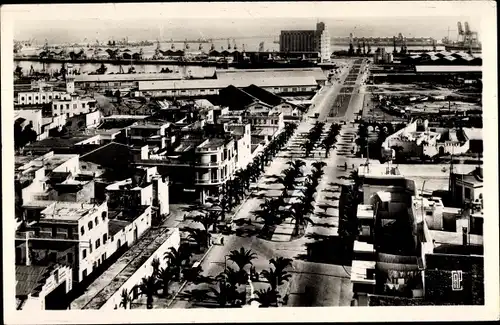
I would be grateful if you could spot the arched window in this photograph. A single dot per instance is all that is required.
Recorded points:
(82, 230)
(104, 215)
(90, 225)
(96, 221)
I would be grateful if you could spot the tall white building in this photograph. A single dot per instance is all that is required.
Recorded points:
(323, 42)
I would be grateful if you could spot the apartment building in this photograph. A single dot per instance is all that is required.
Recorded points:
(215, 164)
(41, 97)
(80, 231)
(73, 105)
(153, 190)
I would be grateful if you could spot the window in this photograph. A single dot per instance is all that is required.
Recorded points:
(104, 238)
(54, 231)
(82, 230)
(50, 96)
(70, 232)
(67, 106)
(84, 273)
(96, 221)
(84, 253)
(428, 213)
(90, 246)
(74, 106)
(43, 97)
(104, 214)
(36, 97)
(29, 97)
(97, 243)
(90, 225)
(213, 158)
(83, 105)
(467, 193)
(22, 98)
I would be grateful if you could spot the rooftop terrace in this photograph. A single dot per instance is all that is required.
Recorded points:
(67, 211)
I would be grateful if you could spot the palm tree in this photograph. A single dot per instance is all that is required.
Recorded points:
(200, 236)
(267, 298)
(149, 288)
(225, 295)
(296, 165)
(280, 263)
(355, 177)
(327, 146)
(318, 165)
(155, 263)
(165, 276)
(232, 277)
(270, 209)
(207, 219)
(275, 278)
(126, 300)
(176, 259)
(300, 210)
(242, 257)
(348, 223)
(308, 146)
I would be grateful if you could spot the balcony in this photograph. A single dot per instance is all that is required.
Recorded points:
(214, 181)
(211, 164)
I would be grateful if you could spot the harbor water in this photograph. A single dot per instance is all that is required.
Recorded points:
(148, 52)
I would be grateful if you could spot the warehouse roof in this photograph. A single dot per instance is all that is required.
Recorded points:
(126, 77)
(317, 73)
(448, 68)
(237, 81)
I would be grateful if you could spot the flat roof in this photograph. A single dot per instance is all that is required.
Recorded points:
(213, 143)
(448, 68)
(473, 133)
(454, 238)
(317, 73)
(115, 226)
(124, 117)
(67, 211)
(237, 81)
(361, 246)
(126, 77)
(365, 211)
(358, 271)
(50, 143)
(104, 287)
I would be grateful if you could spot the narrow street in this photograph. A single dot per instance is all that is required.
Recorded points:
(313, 282)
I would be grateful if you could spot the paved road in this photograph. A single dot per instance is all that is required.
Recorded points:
(326, 282)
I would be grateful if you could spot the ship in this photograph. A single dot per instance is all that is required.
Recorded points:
(467, 40)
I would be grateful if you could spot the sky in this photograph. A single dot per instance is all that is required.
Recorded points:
(77, 22)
